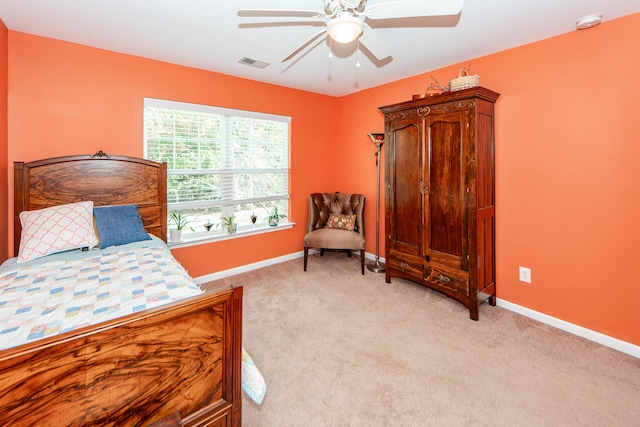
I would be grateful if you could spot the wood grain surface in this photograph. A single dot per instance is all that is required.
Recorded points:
(130, 371)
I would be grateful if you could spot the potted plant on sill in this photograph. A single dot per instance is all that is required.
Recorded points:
(208, 225)
(228, 223)
(274, 217)
(181, 221)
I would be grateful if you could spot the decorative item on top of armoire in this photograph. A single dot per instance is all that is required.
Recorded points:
(377, 267)
(435, 88)
(464, 80)
(440, 197)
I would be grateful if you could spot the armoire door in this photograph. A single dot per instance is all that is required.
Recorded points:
(445, 244)
(404, 200)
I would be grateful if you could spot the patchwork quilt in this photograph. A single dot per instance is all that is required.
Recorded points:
(62, 293)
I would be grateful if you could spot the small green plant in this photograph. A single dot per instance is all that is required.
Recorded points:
(179, 220)
(227, 223)
(275, 216)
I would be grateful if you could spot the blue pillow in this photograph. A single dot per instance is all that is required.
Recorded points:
(119, 225)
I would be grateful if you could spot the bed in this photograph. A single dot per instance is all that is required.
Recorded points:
(175, 362)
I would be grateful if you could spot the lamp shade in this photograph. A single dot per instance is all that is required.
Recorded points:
(345, 28)
(376, 138)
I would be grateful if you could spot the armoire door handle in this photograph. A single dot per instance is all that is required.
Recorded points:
(443, 279)
(424, 188)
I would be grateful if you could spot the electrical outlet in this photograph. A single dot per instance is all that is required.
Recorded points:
(525, 274)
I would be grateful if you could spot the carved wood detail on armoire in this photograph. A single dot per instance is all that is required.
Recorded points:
(440, 194)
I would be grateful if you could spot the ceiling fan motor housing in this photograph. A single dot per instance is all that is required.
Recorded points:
(334, 6)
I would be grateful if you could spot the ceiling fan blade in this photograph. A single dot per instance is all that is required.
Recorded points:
(374, 43)
(304, 45)
(281, 12)
(413, 8)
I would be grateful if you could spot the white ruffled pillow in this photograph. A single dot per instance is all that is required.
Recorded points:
(56, 229)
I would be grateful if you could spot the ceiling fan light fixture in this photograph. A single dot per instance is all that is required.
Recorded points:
(345, 28)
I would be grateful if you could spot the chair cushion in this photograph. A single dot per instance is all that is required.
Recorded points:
(329, 238)
(342, 222)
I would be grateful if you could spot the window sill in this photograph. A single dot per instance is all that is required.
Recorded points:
(219, 235)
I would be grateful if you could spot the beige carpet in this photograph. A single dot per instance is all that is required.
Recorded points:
(340, 349)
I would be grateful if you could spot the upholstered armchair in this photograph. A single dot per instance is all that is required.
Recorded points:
(336, 221)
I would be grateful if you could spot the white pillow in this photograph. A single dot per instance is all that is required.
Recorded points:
(56, 229)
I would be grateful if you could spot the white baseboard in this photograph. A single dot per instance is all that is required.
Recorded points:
(580, 331)
(256, 265)
(248, 267)
(594, 336)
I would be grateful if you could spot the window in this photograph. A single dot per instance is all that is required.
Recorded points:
(220, 162)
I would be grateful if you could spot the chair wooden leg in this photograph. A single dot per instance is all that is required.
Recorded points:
(362, 260)
(348, 252)
(306, 254)
(322, 252)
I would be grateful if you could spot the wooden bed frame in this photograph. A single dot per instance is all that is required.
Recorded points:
(178, 364)
(105, 180)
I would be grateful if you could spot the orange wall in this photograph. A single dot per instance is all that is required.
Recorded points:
(66, 99)
(565, 182)
(4, 198)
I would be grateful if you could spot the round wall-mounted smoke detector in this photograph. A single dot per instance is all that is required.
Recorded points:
(588, 21)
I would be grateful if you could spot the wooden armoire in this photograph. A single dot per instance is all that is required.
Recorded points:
(439, 194)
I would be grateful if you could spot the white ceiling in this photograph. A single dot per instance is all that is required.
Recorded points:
(209, 34)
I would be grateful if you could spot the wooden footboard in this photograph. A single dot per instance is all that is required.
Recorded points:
(135, 370)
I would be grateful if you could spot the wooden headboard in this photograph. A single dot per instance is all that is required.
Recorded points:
(103, 179)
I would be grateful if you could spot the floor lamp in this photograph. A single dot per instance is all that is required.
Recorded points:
(377, 267)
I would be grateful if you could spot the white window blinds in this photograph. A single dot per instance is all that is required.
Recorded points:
(218, 157)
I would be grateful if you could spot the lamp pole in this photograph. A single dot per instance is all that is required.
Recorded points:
(377, 267)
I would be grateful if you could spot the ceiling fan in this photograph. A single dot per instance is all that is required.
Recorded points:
(347, 19)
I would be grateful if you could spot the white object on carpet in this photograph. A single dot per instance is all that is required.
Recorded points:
(253, 383)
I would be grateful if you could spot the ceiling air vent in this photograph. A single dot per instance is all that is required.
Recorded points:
(253, 63)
